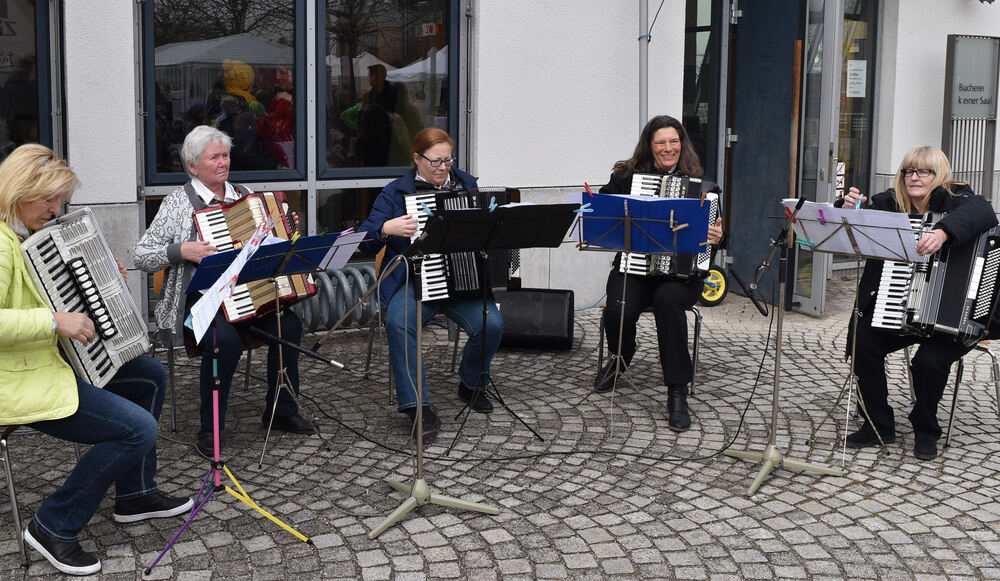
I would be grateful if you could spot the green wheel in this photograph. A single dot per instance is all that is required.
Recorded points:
(715, 289)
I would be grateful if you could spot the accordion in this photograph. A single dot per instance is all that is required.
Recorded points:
(74, 271)
(449, 275)
(951, 292)
(230, 225)
(681, 265)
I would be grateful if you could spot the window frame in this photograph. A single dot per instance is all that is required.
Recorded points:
(153, 177)
(324, 173)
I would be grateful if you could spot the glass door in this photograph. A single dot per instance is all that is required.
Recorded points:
(818, 162)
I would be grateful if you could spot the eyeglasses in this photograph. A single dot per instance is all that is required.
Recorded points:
(448, 161)
(921, 173)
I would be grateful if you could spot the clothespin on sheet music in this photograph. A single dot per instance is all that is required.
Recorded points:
(346, 232)
(493, 203)
(788, 214)
(702, 203)
(584, 209)
(586, 186)
(822, 219)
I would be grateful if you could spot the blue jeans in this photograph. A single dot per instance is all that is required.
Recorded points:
(120, 422)
(401, 328)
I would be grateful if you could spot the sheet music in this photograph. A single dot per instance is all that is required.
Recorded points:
(868, 233)
(338, 255)
(203, 311)
(575, 234)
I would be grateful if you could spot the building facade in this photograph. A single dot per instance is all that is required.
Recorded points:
(322, 97)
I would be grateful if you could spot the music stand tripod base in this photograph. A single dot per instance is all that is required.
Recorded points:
(772, 459)
(421, 494)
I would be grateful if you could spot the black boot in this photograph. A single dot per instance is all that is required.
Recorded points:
(680, 421)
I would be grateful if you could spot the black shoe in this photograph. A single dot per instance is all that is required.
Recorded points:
(680, 419)
(156, 505)
(605, 380)
(68, 557)
(431, 421)
(866, 437)
(925, 446)
(205, 445)
(476, 398)
(295, 424)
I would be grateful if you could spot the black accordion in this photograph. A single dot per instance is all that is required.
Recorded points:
(685, 265)
(455, 274)
(951, 292)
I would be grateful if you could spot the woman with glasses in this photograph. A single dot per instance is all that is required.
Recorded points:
(923, 184)
(390, 226)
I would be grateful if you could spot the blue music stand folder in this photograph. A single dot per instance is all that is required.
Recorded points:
(305, 255)
(645, 224)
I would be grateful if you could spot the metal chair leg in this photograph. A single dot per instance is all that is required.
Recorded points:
(954, 401)
(246, 373)
(170, 382)
(909, 373)
(694, 350)
(453, 337)
(19, 528)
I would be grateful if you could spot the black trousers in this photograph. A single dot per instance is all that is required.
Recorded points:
(229, 339)
(669, 298)
(929, 368)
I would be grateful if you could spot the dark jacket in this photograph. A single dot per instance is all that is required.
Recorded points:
(620, 182)
(388, 205)
(967, 216)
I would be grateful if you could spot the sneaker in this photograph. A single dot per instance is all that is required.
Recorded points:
(925, 446)
(605, 380)
(294, 424)
(156, 505)
(68, 557)
(476, 398)
(865, 437)
(431, 421)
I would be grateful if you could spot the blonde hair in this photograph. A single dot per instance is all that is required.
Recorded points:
(33, 172)
(923, 157)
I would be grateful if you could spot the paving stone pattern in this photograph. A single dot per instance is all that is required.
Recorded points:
(610, 493)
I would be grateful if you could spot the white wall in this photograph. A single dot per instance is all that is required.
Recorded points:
(100, 99)
(556, 103)
(914, 42)
(557, 87)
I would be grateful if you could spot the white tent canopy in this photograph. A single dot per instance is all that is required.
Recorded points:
(249, 48)
(435, 65)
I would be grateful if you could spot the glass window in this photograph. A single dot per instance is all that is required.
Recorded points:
(25, 102)
(701, 80)
(386, 77)
(233, 65)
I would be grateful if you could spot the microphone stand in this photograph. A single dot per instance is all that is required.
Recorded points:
(771, 456)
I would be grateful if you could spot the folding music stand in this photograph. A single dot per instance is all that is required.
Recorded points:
(653, 226)
(874, 234)
(302, 256)
(504, 228)
(870, 233)
(305, 255)
(420, 492)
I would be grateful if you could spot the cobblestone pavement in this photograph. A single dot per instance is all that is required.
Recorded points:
(610, 493)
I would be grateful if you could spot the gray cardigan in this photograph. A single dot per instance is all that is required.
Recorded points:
(160, 248)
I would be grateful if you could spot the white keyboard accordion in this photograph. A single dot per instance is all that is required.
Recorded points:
(74, 271)
(951, 292)
(449, 275)
(230, 225)
(682, 265)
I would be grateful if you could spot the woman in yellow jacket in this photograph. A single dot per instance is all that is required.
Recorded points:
(39, 389)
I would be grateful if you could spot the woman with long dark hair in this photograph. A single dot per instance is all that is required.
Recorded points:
(664, 148)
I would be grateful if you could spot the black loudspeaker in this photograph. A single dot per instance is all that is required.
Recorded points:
(536, 318)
